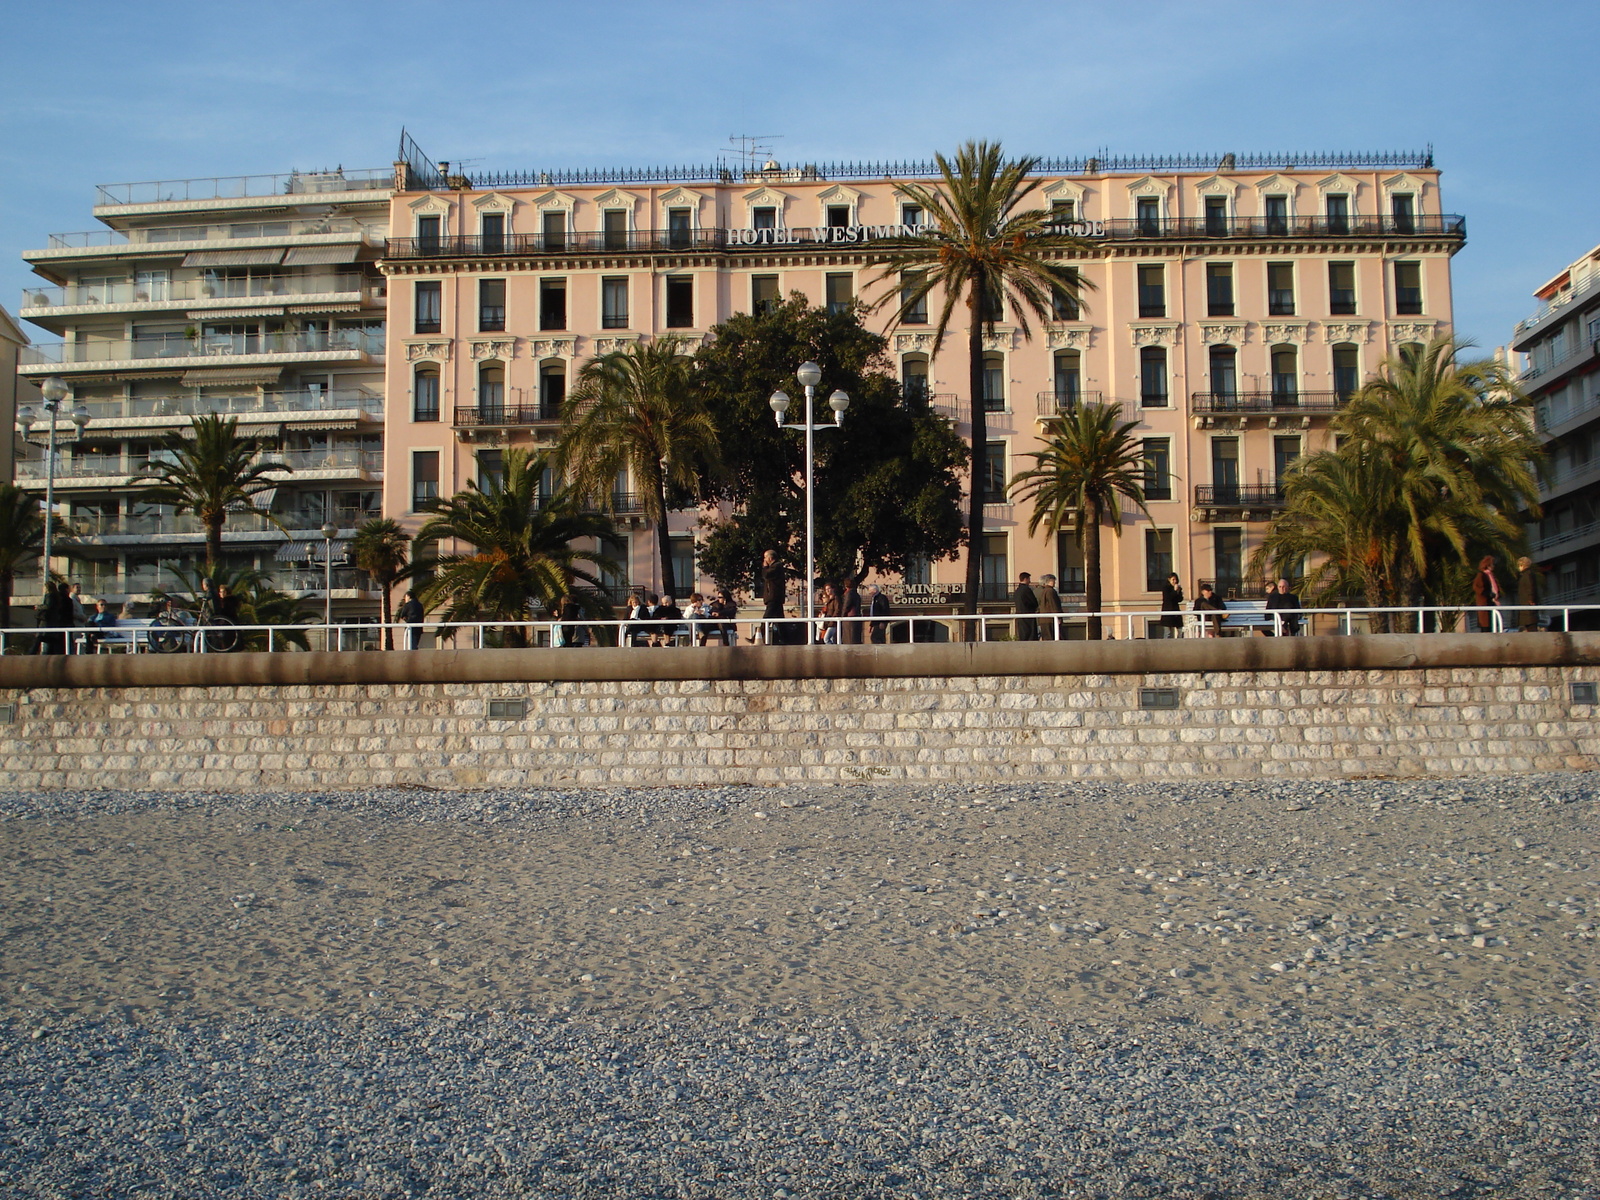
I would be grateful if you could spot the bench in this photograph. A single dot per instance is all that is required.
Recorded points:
(1243, 618)
(127, 636)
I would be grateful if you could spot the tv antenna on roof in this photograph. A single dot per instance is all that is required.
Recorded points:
(753, 151)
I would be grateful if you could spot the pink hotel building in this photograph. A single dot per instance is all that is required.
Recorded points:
(1234, 305)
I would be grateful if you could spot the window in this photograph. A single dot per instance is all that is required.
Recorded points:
(840, 292)
(429, 304)
(1152, 290)
(1153, 377)
(1147, 212)
(428, 235)
(764, 217)
(1157, 469)
(1342, 288)
(425, 394)
(1346, 369)
(1219, 289)
(1402, 207)
(614, 303)
(683, 570)
(1064, 301)
(838, 216)
(680, 302)
(994, 383)
(614, 580)
(492, 227)
(1225, 469)
(552, 304)
(614, 229)
(763, 293)
(1063, 212)
(1285, 452)
(491, 305)
(1280, 289)
(914, 377)
(491, 469)
(1069, 565)
(1338, 210)
(1407, 288)
(1157, 558)
(1276, 210)
(552, 390)
(491, 394)
(424, 478)
(678, 236)
(911, 214)
(1224, 363)
(1216, 216)
(994, 473)
(994, 573)
(554, 228)
(1285, 375)
(912, 312)
(1068, 378)
(1228, 553)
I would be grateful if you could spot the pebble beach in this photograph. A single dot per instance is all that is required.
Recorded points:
(1201, 989)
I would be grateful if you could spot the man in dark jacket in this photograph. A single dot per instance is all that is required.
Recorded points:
(411, 614)
(850, 606)
(1025, 600)
(1287, 605)
(877, 609)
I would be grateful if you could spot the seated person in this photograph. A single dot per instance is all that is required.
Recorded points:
(101, 619)
(1210, 603)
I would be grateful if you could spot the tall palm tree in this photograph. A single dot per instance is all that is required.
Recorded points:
(985, 250)
(382, 549)
(521, 546)
(1089, 463)
(636, 410)
(21, 540)
(212, 473)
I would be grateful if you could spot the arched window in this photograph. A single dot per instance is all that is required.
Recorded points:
(914, 377)
(994, 383)
(425, 394)
(1068, 379)
(1224, 374)
(1346, 370)
(1285, 375)
(491, 394)
(552, 389)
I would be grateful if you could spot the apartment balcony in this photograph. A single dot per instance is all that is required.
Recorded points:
(166, 528)
(1567, 541)
(1209, 229)
(481, 422)
(1055, 404)
(1279, 409)
(317, 466)
(318, 409)
(532, 245)
(1528, 330)
(1237, 502)
(101, 356)
(52, 307)
(224, 191)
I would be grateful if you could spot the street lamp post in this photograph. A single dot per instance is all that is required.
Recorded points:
(329, 529)
(54, 391)
(809, 376)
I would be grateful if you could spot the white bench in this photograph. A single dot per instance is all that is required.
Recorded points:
(1243, 618)
(127, 636)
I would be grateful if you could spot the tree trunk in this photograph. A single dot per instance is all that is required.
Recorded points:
(669, 583)
(1091, 567)
(213, 543)
(6, 584)
(388, 613)
(980, 435)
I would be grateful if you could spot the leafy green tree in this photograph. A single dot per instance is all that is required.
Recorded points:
(888, 491)
(636, 410)
(382, 549)
(213, 473)
(21, 541)
(521, 548)
(1089, 464)
(986, 252)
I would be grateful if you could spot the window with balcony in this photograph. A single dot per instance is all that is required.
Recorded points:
(1157, 558)
(838, 216)
(492, 231)
(552, 304)
(1285, 375)
(911, 214)
(614, 228)
(763, 294)
(684, 574)
(1407, 289)
(1225, 469)
(1216, 216)
(428, 229)
(994, 572)
(424, 478)
(1342, 289)
(491, 394)
(425, 394)
(1280, 289)
(1403, 212)
(1285, 453)
(552, 390)
(994, 383)
(1153, 377)
(914, 377)
(614, 302)
(1069, 565)
(679, 224)
(1224, 364)
(1338, 213)
(764, 216)
(1219, 289)
(841, 292)
(1276, 211)
(680, 302)
(491, 305)
(1152, 290)
(553, 228)
(1063, 212)
(1147, 216)
(913, 312)
(994, 473)
(1068, 378)
(491, 469)
(429, 305)
(1157, 469)
(1064, 301)
(1227, 549)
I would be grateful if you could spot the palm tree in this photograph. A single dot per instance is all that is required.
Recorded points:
(521, 547)
(636, 410)
(21, 540)
(212, 473)
(382, 549)
(985, 250)
(1089, 463)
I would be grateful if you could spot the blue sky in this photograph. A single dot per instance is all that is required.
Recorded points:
(95, 92)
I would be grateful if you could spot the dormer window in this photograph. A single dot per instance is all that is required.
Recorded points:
(554, 228)
(615, 228)
(838, 216)
(911, 214)
(1276, 210)
(493, 229)
(428, 234)
(1403, 207)
(1338, 214)
(1147, 211)
(1216, 216)
(764, 216)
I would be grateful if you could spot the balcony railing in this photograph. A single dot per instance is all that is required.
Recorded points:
(623, 504)
(1591, 285)
(128, 292)
(1053, 403)
(78, 468)
(367, 461)
(506, 416)
(1552, 541)
(157, 236)
(633, 241)
(178, 345)
(1253, 402)
(89, 525)
(1204, 229)
(229, 187)
(357, 400)
(1211, 495)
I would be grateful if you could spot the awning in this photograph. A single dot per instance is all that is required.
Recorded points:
(306, 310)
(305, 256)
(212, 314)
(229, 376)
(310, 550)
(234, 258)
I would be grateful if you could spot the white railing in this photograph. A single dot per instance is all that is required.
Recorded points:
(227, 187)
(161, 291)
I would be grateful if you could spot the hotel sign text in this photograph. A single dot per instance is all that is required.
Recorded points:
(825, 235)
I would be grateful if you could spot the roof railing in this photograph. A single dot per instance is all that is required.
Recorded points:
(232, 187)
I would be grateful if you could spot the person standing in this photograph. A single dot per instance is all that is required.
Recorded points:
(774, 589)
(1210, 605)
(830, 606)
(1287, 605)
(54, 613)
(1486, 593)
(569, 611)
(850, 608)
(1025, 600)
(1049, 603)
(411, 615)
(1529, 593)
(877, 609)
(1171, 622)
(80, 618)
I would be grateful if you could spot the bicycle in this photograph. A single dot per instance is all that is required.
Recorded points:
(170, 634)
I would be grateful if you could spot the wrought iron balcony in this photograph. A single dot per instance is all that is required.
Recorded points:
(519, 245)
(1211, 229)
(1212, 495)
(1053, 403)
(506, 416)
(1268, 402)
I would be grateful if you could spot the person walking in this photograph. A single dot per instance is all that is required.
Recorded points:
(878, 609)
(774, 589)
(1209, 605)
(1287, 605)
(1049, 604)
(849, 609)
(830, 605)
(80, 617)
(1025, 600)
(1529, 594)
(411, 615)
(1171, 622)
(1486, 593)
(54, 613)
